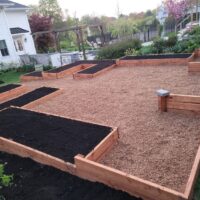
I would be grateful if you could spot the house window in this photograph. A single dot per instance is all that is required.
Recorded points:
(3, 48)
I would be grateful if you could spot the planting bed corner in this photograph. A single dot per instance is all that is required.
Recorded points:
(30, 99)
(156, 60)
(194, 63)
(99, 68)
(32, 76)
(52, 140)
(94, 171)
(11, 90)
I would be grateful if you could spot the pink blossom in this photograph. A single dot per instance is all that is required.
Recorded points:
(177, 8)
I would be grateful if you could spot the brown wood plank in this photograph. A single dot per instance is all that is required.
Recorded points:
(104, 146)
(184, 98)
(93, 171)
(183, 106)
(12, 93)
(193, 176)
(15, 148)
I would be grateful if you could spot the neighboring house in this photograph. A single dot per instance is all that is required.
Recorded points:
(161, 14)
(15, 33)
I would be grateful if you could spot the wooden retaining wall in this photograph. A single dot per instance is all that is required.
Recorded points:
(12, 93)
(156, 62)
(48, 75)
(24, 78)
(193, 64)
(86, 76)
(96, 172)
(119, 180)
(179, 102)
(18, 149)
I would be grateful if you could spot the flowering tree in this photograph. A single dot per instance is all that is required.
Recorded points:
(177, 8)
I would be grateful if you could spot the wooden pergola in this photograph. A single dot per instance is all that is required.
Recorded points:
(78, 30)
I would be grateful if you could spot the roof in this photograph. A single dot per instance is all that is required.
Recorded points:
(13, 5)
(17, 30)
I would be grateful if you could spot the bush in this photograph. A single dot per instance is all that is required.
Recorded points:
(172, 40)
(118, 50)
(159, 45)
(131, 52)
(26, 68)
(147, 50)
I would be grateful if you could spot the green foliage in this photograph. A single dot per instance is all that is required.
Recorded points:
(172, 40)
(147, 50)
(46, 68)
(131, 52)
(25, 68)
(159, 45)
(50, 8)
(5, 180)
(118, 50)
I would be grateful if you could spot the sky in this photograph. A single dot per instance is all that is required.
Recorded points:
(79, 8)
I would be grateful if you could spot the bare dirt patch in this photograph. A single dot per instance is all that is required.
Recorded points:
(159, 147)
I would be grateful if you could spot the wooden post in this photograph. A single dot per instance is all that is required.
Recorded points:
(162, 99)
(82, 43)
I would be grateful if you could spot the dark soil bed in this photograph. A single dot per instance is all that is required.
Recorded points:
(100, 66)
(35, 74)
(60, 137)
(33, 181)
(8, 87)
(66, 67)
(158, 56)
(28, 97)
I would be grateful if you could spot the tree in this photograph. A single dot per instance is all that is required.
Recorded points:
(177, 8)
(51, 9)
(42, 23)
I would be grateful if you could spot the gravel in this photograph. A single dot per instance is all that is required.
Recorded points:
(159, 147)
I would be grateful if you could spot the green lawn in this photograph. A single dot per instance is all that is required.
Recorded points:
(10, 77)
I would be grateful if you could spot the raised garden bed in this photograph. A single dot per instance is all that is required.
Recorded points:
(156, 60)
(194, 63)
(32, 98)
(93, 171)
(100, 67)
(32, 76)
(52, 140)
(11, 90)
(179, 102)
(34, 181)
(67, 69)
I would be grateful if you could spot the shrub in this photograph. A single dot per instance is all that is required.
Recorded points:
(118, 50)
(26, 68)
(131, 52)
(172, 40)
(46, 68)
(159, 44)
(147, 50)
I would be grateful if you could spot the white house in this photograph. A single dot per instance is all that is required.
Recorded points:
(15, 33)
